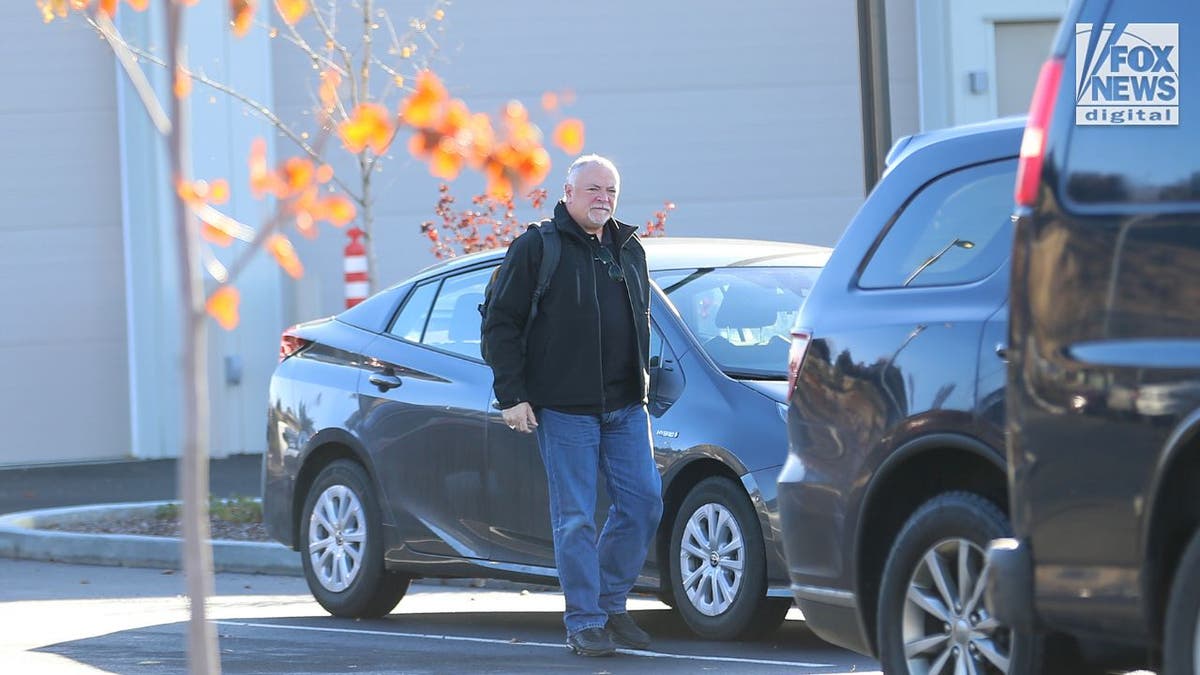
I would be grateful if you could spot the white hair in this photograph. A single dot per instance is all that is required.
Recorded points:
(590, 160)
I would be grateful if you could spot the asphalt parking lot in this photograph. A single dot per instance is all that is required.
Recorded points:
(62, 618)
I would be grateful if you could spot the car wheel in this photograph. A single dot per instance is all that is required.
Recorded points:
(931, 615)
(718, 565)
(342, 548)
(1181, 642)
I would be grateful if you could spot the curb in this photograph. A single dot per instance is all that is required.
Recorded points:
(22, 537)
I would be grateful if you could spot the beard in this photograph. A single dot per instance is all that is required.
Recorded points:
(604, 215)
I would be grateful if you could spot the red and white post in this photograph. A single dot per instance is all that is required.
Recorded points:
(357, 282)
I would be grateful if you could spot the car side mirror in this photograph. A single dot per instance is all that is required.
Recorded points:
(666, 385)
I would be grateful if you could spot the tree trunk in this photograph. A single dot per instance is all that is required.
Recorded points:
(193, 466)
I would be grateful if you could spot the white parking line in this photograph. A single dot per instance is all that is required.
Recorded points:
(554, 645)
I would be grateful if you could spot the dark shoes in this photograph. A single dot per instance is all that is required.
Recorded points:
(625, 631)
(592, 642)
(621, 629)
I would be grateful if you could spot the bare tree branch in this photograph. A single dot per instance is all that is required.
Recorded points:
(258, 108)
(124, 54)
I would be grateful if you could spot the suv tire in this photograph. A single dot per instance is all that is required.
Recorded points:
(1181, 641)
(941, 545)
(342, 548)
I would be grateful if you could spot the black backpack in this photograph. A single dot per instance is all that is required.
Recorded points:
(551, 252)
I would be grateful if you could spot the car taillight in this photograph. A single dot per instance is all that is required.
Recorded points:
(1033, 144)
(800, 340)
(290, 343)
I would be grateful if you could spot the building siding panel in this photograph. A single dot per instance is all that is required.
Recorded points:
(65, 393)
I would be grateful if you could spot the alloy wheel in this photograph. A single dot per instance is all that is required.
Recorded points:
(1196, 646)
(337, 533)
(945, 627)
(712, 559)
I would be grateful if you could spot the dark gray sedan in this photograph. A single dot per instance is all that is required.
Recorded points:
(387, 461)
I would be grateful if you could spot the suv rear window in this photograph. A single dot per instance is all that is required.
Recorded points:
(956, 230)
(1130, 106)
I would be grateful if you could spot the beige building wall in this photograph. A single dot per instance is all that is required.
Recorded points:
(64, 394)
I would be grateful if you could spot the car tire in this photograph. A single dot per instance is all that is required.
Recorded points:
(925, 623)
(342, 546)
(718, 564)
(1181, 639)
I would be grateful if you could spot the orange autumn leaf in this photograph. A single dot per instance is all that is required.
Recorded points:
(483, 138)
(456, 120)
(338, 210)
(568, 135)
(327, 92)
(191, 193)
(183, 83)
(285, 254)
(242, 12)
(423, 108)
(369, 126)
(534, 166)
(419, 144)
(108, 7)
(218, 192)
(141, 5)
(306, 225)
(446, 161)
(222, 305)
(298, 173)
(292, 10)
(499, 186)
(262, 179)
(52, 8)
(324, 174)
(549, 101)
(215, 235)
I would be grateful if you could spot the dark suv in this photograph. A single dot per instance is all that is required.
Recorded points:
(1104, 379)
(895, 479)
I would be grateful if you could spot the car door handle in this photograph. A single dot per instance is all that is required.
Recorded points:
(384, 381)
(1002, 351)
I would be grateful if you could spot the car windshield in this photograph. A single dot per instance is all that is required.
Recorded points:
(742, 316)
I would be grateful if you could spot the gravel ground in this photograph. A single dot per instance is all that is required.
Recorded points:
(166, 527)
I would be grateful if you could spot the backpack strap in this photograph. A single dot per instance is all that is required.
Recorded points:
(551, 252)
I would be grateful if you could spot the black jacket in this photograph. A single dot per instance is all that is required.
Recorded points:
(563, 368)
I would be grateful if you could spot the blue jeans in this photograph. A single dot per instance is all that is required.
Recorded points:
(596, 576)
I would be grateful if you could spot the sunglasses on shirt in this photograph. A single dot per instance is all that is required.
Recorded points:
(614, 270)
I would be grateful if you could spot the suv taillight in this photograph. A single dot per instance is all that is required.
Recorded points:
(800, 340)
(290, 343)
(1033, 144)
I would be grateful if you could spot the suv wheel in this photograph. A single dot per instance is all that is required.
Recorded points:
(1181, 643)
(343, 547)
(718, 565)
(931, 616)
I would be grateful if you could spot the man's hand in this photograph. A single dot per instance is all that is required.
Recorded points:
(520, 418)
